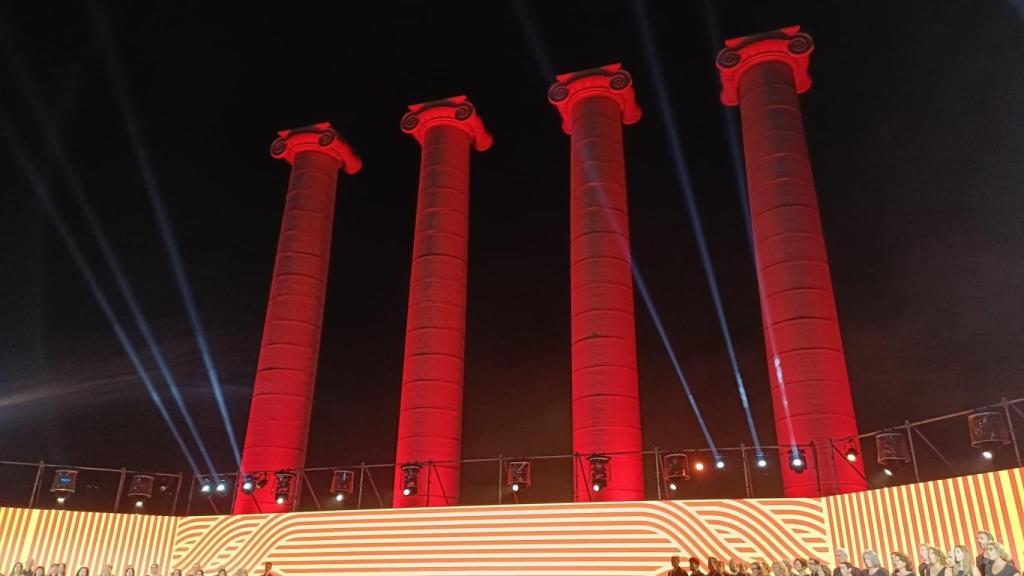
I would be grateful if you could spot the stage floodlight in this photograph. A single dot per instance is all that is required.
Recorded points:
(205, 485)
(761, 461)
(141, 489)
(988, 432)
(720, 464)
(518, 475)
(221, 487)
(342, 482)
(851, 454)
(64, 484)
(797, 460)
(600, 471)
(676, 469)
(283, 490)
(411, 479)
(893, 451)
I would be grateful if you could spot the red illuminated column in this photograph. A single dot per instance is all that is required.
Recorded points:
(282, 396)
(810, 389)
(605, 394)
(430, 418)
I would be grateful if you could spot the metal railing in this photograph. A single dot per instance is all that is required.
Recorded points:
(367, 493)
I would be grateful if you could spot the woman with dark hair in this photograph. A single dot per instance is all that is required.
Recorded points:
(174, 572)
(17, 569)
(82, 571)
(799, 567)
(872, 565)
(129, 571)
(901, 564)
(39, 571)
(222, 572)
(845, 569)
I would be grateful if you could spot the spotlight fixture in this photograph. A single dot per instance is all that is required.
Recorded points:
(675, 468)
(342, 483)
(988, 432)
(719, 464)
(600, 471)
(699, 466)
(893, 451)
(519, 475)
(64, 484)
(283, 490)
(761, 461)
(410, 479)
(851, 454)
(205, 485)
(797, 460)
(248, 484)
(222, 487)
(141, 488)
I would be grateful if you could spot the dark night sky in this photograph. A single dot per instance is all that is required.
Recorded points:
(915, 131)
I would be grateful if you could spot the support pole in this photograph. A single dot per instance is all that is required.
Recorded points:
(430, 413)
(1013, 433)
(120, 489)
(913, 453)
(594, 105)
(811, 397)
(282, 396)
(36, 484)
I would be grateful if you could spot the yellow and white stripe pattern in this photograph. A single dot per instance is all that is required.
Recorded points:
(541, 540)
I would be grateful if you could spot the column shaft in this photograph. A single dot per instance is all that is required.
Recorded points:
(807, 367)
(282, 396)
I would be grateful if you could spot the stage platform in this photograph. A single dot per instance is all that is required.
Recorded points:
(515, 540)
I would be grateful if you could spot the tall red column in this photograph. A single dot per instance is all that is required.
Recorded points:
(605, 394)
(430, 419)
(286, 374)
(810, 389)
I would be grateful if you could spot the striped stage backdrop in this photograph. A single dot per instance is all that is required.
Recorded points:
(84, 539)
(545, 539)
(944, 513)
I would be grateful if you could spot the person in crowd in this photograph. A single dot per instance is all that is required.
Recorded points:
(175, 572)
(62, 569)
(962, 565)
(872, 565)
(845, 569)
(195, 569)
(107, 570)
(799, 567)
(268, 569)
(129, 570)
(983, 538)
(222, 572)
(39, 571)
(714, 566)
(676, 569)
(999, 560)
(241, 572)
(788, 566)
(842, 555)
(695, 567)
(198, 572)
(736, 568)
(17, 569)
(901, 564)
(154, 570)
(922, 554)
(938, 565)
(779, 569)
(82, 571)
(759, 568)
